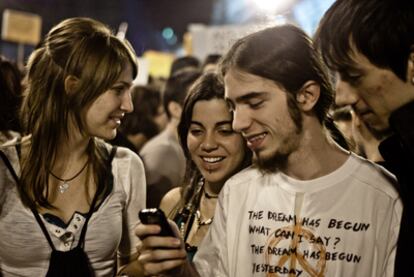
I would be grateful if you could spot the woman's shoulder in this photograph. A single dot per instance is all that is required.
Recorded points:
(128, 172)
(125, 162)
(170, 200)
(123, 155)
(124, 152)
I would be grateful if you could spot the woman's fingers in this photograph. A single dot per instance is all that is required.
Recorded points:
(145, 230)
(155, 255)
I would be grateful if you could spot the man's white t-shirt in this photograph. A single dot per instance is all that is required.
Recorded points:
(343, 224)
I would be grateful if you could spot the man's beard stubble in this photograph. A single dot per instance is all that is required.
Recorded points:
(278, 160)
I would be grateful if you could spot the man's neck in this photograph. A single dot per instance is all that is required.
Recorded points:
(371, 151)
(316, 156)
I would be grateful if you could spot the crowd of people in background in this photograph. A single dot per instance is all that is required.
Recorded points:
(11, 93)
(287, 155)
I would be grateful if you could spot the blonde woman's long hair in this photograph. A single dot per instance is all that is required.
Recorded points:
(79, 47)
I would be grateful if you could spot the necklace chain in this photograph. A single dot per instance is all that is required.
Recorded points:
(65, 186)
(207, 195)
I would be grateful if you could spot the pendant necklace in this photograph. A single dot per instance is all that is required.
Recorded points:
(65, 185)
(202, 223)
(198, 213)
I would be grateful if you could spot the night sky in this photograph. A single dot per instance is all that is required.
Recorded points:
(146, 18)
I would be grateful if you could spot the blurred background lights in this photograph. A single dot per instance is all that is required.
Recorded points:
(272, 6)
(167, 33)
(280, 19)
(266, 5)
(163, 30)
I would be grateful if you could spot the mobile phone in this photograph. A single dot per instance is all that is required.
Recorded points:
(156, 216)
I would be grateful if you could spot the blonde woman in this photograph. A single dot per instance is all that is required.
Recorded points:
(69, 201)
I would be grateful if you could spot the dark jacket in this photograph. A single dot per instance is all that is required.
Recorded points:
(398, 152)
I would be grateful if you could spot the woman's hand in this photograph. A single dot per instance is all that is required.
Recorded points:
(157, 254)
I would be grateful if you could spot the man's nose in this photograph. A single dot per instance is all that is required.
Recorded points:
(345, 93)
(241, 120)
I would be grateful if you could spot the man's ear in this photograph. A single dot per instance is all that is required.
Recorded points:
(175, 109)
(71, 84)
(308, 95)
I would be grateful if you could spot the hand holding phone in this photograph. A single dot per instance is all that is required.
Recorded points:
(166, 245)
(157, 216)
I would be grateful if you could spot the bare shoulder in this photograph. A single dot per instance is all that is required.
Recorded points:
(170, 200)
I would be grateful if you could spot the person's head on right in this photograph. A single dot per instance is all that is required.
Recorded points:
(78, 84)
(273, 79)
(370, 46)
